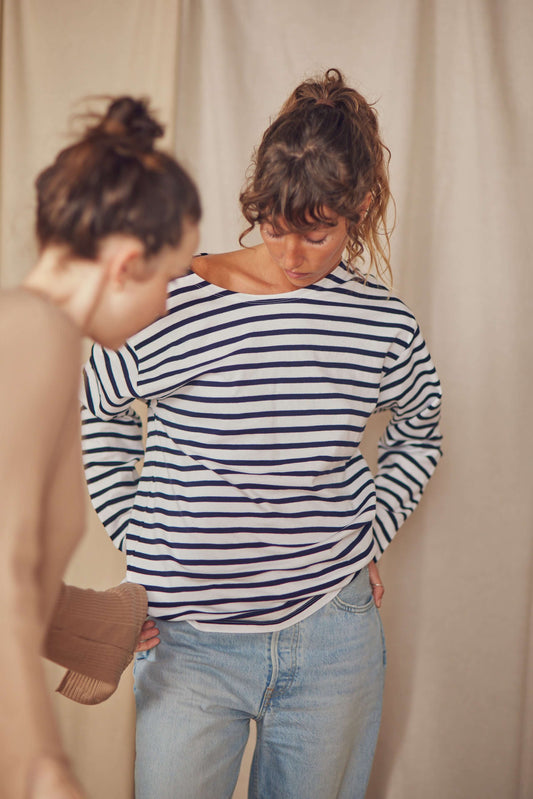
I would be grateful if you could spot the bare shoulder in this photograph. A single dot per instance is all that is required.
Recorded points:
(236, 270)
(213, 264)
(38, 343)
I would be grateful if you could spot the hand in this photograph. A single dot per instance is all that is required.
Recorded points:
(375, 581)
(148, 636)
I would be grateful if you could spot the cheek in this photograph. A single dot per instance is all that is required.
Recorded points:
(274, 246)
(335, 251)
(157, 301)
(151, 303)
(271, 248)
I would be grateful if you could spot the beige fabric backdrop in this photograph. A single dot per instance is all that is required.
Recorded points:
(451, 79)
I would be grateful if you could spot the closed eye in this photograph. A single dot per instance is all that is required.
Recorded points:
(316, 241)
(271, 234)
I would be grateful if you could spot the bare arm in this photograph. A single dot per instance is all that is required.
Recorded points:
(38, 359)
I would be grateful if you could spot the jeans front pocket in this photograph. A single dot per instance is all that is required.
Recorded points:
(140, 658)
(356, 597)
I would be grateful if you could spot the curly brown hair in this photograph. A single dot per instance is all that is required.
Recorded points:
(114, 180)
(324, 153)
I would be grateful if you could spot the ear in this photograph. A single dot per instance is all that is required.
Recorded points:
(123, 258)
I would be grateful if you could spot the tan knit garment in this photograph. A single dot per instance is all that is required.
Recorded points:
(93, 634)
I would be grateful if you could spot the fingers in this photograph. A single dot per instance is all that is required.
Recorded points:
(377, 593)
(148, 636)
(375, 581)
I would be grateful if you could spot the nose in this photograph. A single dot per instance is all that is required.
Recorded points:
(292, 251)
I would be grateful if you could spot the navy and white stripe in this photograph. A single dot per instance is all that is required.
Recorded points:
(255, 505)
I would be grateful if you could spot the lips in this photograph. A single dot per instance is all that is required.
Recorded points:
(296, 275)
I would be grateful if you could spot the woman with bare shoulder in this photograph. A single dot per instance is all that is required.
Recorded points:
(116, 220)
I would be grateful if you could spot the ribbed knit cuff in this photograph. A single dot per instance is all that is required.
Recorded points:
(83, 689)
(93, 634)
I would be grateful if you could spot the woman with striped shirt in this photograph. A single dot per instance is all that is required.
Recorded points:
(255, 524)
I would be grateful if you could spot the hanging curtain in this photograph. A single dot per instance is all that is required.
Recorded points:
(451, 83)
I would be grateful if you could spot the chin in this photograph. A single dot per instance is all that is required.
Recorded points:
(110, 342)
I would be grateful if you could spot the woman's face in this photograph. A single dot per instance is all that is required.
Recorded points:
(149, 296)
(308, 256)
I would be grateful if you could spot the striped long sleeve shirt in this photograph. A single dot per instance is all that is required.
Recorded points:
(254, 505)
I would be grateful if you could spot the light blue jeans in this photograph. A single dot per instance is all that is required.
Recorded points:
(314, 689)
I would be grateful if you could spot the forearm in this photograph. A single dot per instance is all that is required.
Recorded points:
(112, 439)
(111, 450)
(410, 447)
(28, 729)
(408, 455)
(52, 779)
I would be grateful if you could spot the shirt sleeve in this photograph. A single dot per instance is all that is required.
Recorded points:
(112, 439)
(410, 448)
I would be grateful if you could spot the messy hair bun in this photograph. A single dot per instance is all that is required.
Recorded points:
(128, 121)
(324, 153)
(114, 180)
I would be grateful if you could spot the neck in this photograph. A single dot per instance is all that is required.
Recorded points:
(73, 284)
